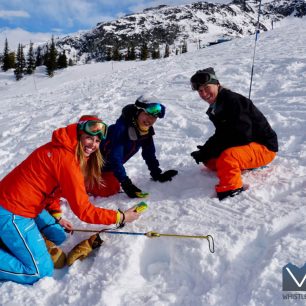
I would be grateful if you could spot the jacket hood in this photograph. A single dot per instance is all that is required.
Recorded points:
(130, 113)
(66, 137)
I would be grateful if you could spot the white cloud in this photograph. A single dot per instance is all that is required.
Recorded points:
(57, 31)
(8, 14)
(16, 36)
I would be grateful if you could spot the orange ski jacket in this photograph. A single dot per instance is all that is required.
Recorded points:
(51, 167)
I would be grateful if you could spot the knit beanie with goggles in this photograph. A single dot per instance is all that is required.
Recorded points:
(92, 125)
(203, 77)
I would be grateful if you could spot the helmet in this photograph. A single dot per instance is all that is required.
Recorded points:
(151, 105)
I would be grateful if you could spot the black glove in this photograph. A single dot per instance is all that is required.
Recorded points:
(165, 176)
(129, 188)
(198, 155)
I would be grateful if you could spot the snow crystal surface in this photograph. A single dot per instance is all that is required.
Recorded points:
(256, 233)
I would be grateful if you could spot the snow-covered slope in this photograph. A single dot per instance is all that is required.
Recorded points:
(256, 233)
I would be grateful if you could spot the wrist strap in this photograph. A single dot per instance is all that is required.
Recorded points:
(57, 220)
(122, 223)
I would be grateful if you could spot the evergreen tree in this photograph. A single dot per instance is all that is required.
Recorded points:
(167, 51)
(39, 57)
(184, 47)
(116, 55)
(120, 56)
(127, 54)
(156, 53)
(46, 56)
(70, 62)
(5, 56)
(88, 58)
(20, 63)
(12, 59)
(133, 53)
(31, 60)
(8, 58)
(62, 60)
(108, 54)
(144, 52)
(51, 59)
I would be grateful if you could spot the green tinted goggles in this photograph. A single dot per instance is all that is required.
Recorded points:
(155, 110)
(93, 128)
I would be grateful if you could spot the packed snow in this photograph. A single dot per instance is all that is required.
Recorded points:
(256, 233)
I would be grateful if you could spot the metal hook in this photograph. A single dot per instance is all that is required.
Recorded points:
(211, 243)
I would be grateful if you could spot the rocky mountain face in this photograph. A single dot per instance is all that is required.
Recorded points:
(285, 8)
(198, 23)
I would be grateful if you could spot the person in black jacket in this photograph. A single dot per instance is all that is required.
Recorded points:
(243, 138)
(132, 131)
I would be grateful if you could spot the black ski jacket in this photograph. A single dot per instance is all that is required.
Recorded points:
(238, 122)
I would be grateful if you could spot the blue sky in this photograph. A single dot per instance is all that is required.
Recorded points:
(58, 16)
(23, 20)
(67, 16)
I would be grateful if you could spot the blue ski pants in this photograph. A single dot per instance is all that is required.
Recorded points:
(24, 257)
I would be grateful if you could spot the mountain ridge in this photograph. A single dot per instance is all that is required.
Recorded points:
(197, 23)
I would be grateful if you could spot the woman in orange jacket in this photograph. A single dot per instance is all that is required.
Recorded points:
(58, 167)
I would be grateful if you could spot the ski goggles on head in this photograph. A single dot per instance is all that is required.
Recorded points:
(202, 78)
(93, 128)
(155, 109)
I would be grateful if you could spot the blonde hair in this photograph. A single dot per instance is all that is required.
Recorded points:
(90, 167)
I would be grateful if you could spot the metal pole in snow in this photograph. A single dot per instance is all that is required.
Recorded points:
(256, 37)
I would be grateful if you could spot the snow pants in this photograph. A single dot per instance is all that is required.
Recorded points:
(110, 186)
(23, 253)
(233, 160)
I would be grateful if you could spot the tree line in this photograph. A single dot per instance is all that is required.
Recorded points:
(53, 60)
(143, 52)
(26, 64)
